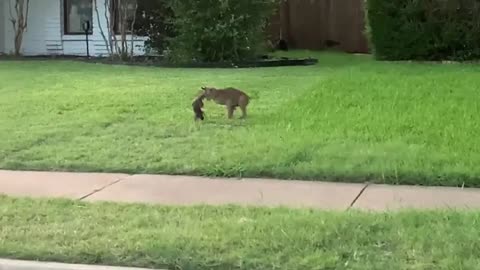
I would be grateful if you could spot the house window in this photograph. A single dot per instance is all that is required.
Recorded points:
(76, 13)
(127, 11)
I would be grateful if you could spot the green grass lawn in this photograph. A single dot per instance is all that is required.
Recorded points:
(236, 238)
(348, 118)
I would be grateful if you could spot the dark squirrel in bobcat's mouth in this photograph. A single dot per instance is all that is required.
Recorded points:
(197, 108)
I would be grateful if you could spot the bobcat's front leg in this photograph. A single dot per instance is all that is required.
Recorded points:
(230, 110)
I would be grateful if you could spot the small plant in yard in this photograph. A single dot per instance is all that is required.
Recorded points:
(219, 30)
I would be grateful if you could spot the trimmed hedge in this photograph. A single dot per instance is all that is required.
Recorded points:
(219, 30)
(424, 29)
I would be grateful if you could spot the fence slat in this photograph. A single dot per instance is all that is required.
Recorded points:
(314, 24)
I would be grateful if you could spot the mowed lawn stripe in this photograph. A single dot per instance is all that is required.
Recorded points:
(349, 118)
(235, 237)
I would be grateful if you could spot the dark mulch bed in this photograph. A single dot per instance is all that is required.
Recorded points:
(158, 61)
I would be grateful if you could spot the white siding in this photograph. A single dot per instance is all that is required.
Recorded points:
(38, 30)
(8, 34)
(45, 36)
(8, 29)
(53, 26)
(34, 40)
(2, 26)
(77, 45)
(101, 23)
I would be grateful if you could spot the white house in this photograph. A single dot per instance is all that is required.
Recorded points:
(55, 28)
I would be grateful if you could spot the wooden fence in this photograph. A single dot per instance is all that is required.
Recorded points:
(319, 24)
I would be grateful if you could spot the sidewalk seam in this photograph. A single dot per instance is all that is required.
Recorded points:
(358, 196)
(104, 187)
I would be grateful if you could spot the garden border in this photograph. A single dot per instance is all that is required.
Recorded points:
(265, 62)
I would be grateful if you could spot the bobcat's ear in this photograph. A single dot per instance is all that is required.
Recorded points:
(204, 88)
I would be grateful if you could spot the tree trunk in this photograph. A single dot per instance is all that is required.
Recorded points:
(102, 32)
(132, 28)
(19, 22)
(116, 17)
(113, 7)
(123, 11)
(18, 42)
(124, 15)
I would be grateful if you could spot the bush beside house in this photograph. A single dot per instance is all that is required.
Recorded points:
(424, 30)
(154, 20)
(218, 30)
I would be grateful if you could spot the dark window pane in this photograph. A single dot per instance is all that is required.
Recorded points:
(126, 12)
(76, 13)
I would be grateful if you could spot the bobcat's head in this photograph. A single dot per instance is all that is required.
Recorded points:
(209, 92)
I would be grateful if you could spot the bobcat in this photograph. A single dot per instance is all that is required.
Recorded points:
(197, 108)
(230, 97)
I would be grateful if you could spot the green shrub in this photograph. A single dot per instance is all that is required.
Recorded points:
(152, 20)
(219, 30)
(424, 29)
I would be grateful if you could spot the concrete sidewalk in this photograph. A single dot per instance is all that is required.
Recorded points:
(183, 190)
(6, 264)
